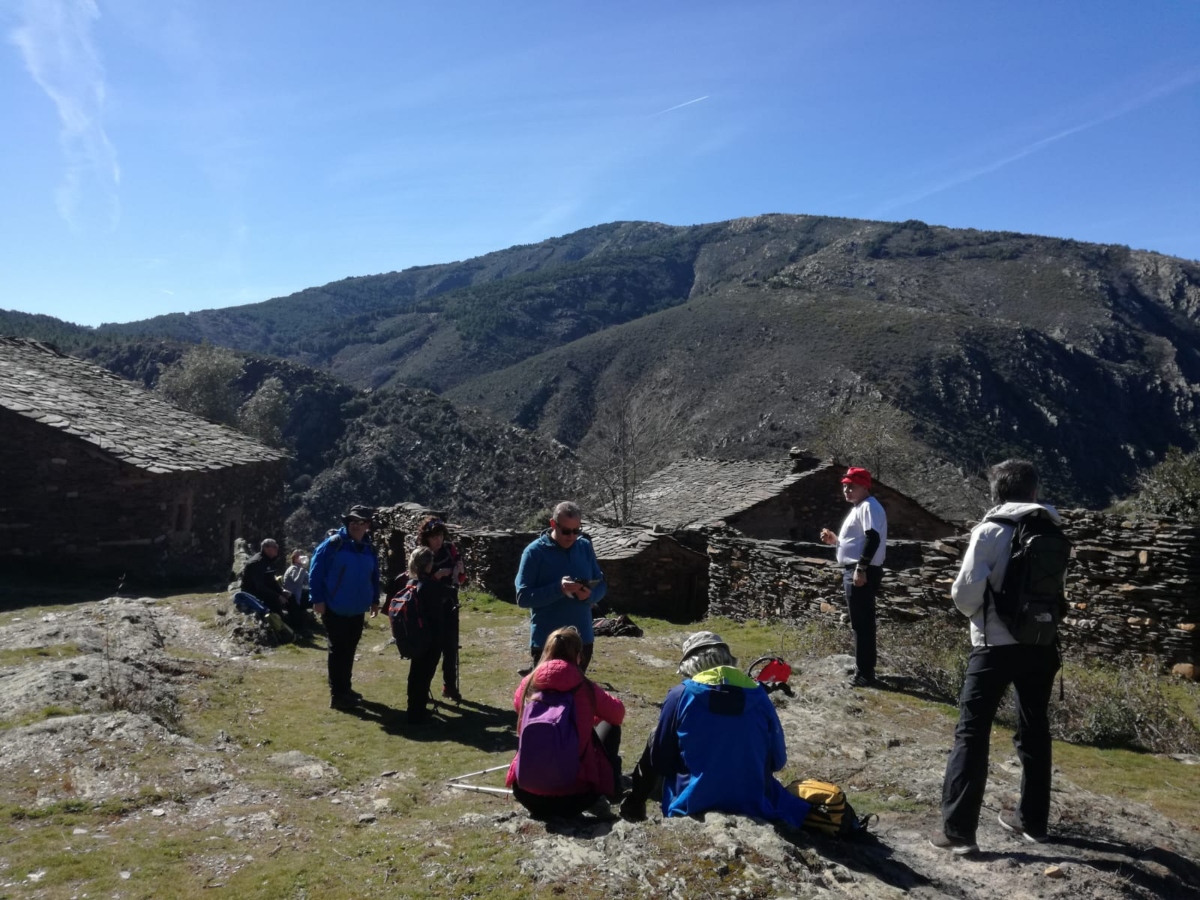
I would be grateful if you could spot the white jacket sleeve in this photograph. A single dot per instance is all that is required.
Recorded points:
(978, 565)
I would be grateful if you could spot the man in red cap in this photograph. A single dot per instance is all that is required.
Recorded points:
(861, 545)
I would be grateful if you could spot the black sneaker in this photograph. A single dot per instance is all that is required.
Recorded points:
(451, 694)
(1011, 823)
(356, 695)
(863, 681)
(343, 701)
(946, 844)
(524, 672)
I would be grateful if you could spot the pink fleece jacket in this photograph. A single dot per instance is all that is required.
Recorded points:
(592, 705)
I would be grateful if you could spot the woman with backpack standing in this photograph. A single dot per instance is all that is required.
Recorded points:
(418, 629)
(569, 733)
(448, 571)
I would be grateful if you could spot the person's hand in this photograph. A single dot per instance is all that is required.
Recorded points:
(287, 594)
(583, 593)
(442, 573)
(828, 537)
(319, 609)
(570, 587)
(374, 609)
(860, 576)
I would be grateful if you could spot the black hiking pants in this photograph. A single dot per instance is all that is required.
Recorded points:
(344, 633)
(421, 670)
(990, 670)
(861, 601)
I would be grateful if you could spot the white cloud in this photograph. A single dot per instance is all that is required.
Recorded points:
(56, 43)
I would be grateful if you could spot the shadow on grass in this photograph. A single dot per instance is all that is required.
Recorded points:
(478, 725)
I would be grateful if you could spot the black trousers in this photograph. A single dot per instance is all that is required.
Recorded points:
(421, 670)
(450, 647)
(536, 653)
(990, 670)
(543, 807)
(344, 633)
(861, 601)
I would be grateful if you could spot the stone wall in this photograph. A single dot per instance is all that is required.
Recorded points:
(66, 505)
(1131, 588)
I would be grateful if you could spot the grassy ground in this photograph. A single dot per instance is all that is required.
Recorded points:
(384, 825)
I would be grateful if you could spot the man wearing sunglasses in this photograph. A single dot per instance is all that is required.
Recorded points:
(560, 581)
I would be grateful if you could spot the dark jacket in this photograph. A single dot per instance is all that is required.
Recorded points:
(259, 579)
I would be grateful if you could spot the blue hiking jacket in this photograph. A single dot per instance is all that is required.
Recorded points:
(543, 566)
(344, 575)
(717, 744)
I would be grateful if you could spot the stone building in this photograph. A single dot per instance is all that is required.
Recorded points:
(650, 573)
(99, 476)
(789, 500)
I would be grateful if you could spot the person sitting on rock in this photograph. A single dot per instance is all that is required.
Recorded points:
(716, 745)
(260, 592)
(567, 783)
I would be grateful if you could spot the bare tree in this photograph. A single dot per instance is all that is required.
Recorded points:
(632, 436)
(868, 432)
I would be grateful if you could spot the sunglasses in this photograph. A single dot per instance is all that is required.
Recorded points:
(562, 530)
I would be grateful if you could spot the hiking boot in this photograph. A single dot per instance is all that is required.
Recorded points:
(863, 681)
(941, 841)
(451, 693)
(524, 672)
(343, 701)
(1011, 822)
(356, 695)
(633, 810)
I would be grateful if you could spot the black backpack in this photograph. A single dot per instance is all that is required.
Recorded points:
(1032, 600)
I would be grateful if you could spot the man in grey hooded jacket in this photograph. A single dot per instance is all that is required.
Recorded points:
(998, 660)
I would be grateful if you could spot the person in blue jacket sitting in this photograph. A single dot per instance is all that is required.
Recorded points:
(344, 580)
(717, 743)
(560, 581)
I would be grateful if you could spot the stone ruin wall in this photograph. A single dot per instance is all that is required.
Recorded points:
(1132, 588)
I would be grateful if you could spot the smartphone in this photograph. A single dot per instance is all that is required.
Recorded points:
(587, 583)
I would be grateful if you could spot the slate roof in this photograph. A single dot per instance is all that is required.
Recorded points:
(614, 542)
(691, 493)
(115, 415)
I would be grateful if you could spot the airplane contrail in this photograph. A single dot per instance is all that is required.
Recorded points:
(681, 105)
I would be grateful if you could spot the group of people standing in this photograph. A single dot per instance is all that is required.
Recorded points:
(718, 738)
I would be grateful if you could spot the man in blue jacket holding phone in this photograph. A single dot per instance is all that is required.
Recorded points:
(560, 581)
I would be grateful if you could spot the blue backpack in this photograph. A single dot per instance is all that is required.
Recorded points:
(548, 743)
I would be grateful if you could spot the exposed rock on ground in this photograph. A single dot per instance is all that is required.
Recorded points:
(1104, 848)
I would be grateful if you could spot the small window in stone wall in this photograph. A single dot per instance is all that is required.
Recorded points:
(183, 512)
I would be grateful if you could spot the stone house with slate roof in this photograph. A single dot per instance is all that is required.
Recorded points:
(100, 476)
(650, 573)
(788, 500)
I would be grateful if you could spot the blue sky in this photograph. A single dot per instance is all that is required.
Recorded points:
(170, 155)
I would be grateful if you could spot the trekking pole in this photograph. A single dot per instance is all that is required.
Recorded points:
(480, 772)
(480, 788)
